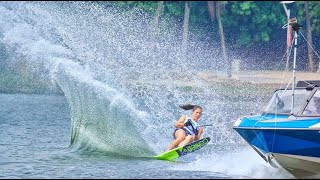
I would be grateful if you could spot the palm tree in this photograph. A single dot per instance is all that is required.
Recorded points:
(157, 17)
(217, 9)
(309, 38)
(184, 46)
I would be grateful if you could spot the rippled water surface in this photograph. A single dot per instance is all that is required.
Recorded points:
(35, 131)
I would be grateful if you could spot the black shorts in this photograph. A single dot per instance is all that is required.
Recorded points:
(187, 133)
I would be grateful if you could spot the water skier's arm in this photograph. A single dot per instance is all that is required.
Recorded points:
(180, 122)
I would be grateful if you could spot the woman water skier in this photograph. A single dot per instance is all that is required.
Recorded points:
(187, 129)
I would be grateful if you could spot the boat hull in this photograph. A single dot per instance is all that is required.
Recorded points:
(297, 151)
(299, 166)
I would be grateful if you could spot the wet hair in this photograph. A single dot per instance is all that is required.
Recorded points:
(196, 107)
(189, 107)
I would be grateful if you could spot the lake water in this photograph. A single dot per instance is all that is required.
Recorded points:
(121, 87)
(35, 143)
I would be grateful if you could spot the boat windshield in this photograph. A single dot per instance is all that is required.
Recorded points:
(281, 101)
(313, 107)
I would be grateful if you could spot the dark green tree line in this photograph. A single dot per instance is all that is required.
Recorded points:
(248, 22)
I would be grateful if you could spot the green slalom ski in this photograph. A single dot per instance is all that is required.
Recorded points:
(183, 150)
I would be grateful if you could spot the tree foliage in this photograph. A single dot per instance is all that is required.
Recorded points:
(248, 22)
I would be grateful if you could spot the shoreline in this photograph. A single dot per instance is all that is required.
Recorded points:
(268, 78)
(261, 79)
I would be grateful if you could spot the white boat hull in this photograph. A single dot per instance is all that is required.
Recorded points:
(299, 166)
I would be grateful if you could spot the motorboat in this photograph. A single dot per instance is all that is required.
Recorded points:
(286, 134)
(285, 138)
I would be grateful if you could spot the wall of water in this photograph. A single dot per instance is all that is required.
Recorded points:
(122, 83)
